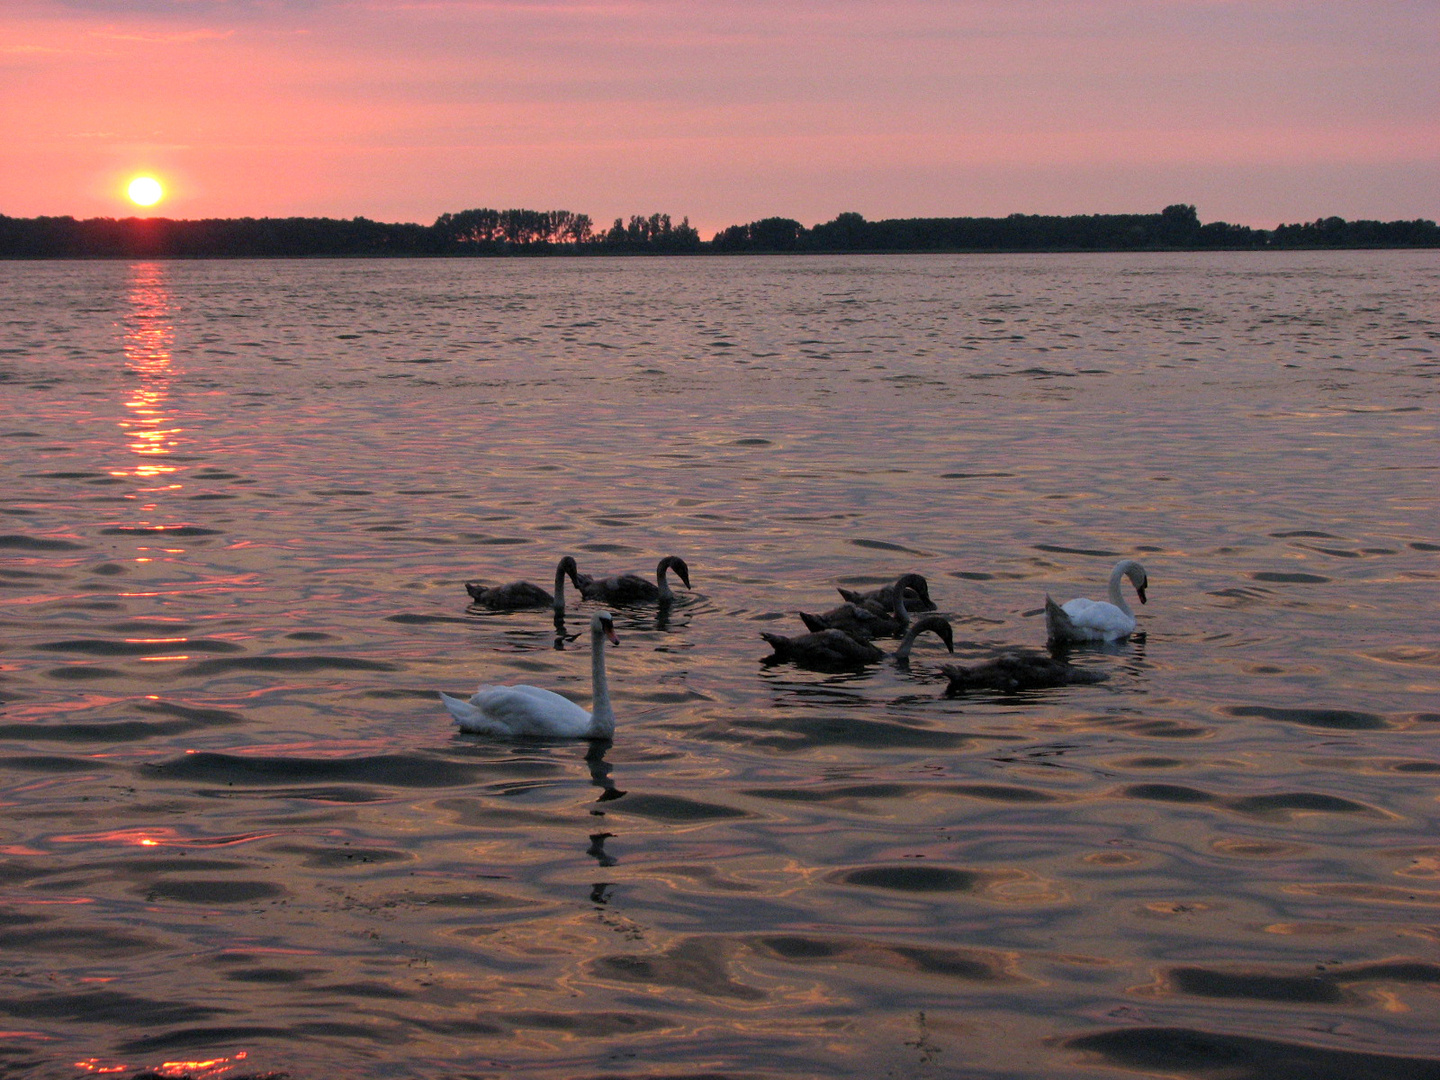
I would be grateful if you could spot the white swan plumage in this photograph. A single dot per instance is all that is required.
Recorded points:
(1082, 619)
(529, 712)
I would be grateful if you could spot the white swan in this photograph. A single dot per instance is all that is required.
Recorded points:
(1096, 620)
(528, 712)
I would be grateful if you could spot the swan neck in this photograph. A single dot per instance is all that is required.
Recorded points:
(1116, 596)
(898, 605)
(908, 641)
(602, 716)
(560, 587)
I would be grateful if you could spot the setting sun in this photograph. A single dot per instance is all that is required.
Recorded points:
(145, 191)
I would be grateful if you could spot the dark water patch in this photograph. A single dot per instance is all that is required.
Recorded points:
(1099, 553)
(84, 673)
(808, 732)
(1003, 793)
(19, 576)
(50, 764)
(1174, 793)
(160, 530)
(752, 442)
(1401, 971)
(139, 867)
(1155, 728)
(1420, 545)
(337, 794)
(910, 878)
(86, 941)
(1416, 767)
(1300, 801)
(105, 1007)
(600, 1025)
(1289, 579)
(463, 1029)
(1191, 1052)
(975, 475)
(286, 665)
(267, 976)
(212, 892)
(470, 900)
(842, 793)
(205, 1038)
(309, 635)
(1341, 719)
(108, 647)
(885, 545)
(331, 858)
(486, 540)
(1305, 534)
(390, 770)
(1150, 763)
(155, 628)
(109, 569)
(370, 990)
(21, 542)
(409, 619)
(699, 965)
(675, 808)
(1299, 989)
(928, 960)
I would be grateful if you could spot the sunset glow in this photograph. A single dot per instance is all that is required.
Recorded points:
(1257, 111)
(145, 191)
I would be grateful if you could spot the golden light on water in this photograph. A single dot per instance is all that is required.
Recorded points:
(149, 335)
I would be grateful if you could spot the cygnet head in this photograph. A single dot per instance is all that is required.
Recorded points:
(674, 562)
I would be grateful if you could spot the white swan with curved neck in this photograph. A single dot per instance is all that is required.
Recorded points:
(1098, 620)
(528, 712)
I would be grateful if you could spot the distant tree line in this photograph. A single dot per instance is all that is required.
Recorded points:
(541, 232)
(470, 232)
(1176, 227)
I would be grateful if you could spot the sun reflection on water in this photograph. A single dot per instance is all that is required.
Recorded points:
(195, 1070)
(149, 337)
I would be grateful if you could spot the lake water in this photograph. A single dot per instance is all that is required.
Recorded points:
(240, 835)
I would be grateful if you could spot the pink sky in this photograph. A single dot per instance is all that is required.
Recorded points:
(1256, 111)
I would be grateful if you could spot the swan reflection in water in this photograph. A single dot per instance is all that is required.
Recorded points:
(600, 777)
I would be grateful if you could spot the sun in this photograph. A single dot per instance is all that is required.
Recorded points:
(145, 191)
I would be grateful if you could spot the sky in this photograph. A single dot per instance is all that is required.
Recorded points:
(1256, 111)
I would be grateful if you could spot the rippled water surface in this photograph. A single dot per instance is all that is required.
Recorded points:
(241, 501)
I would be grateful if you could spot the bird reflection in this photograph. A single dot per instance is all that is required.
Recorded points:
(600, 774)
(596, 850)
(600, 777)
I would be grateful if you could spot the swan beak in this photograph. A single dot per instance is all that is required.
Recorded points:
(1140, 589)
(610, 633)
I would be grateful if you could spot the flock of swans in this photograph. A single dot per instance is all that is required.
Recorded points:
(842, 637)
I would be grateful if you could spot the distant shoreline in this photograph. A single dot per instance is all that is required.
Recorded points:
(486, 233)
